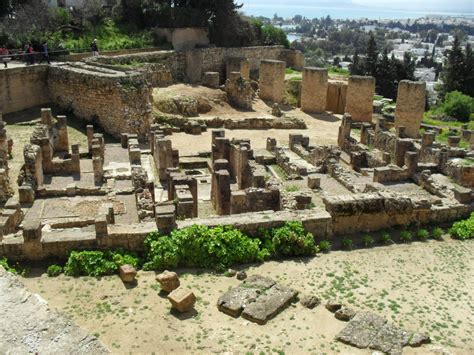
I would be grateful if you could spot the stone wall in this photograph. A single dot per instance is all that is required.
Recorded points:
(254, 199)
(336, 97)
(116, 101)
(360, 96)
(410, 106)
(22, 88)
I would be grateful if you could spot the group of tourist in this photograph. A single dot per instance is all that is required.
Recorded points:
(29, 53)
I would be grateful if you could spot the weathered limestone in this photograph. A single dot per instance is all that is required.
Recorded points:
(336, 97)
(211, 79)
(168, 280)
(164, 156)
(127, 273)
(182, 300)
(239, 92)
(314, 90)
(360, 95)
(221, 192)
(272, 80)
(410, 106)
(237, 64)
(344, 130)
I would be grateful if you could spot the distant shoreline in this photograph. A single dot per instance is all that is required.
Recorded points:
(337, 12)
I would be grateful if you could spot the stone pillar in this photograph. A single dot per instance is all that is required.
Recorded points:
(428, 139)
(75, 158)
(360, 97)
(47, 154)
(222, 192)
(46, 117)
(314, 90)
(221, 149)
(164, 156)
(272, 80)
(364, 133)
(211, 79)
(97, 162)
(237, 64)
(217, 133)
(401, 148)
(411, 162)
(453, 141)
(90, 137)
(411, 99)
(239, 92)
(62, 142)
(271, 144)
(344, 130)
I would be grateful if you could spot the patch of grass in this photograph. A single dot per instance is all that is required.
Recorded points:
(280, 172)
(422, 234)
(292, 188)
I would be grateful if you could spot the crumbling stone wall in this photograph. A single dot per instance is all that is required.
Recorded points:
(239, 91)
(118, 103)
(410, 106)
(254, 199)
(360, 96)
(237, 64)
(336, 97)
(314, 89)
(22, 88)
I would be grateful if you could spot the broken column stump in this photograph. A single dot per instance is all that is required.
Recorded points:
(182, 300)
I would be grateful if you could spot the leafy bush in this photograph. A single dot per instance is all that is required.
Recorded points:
(221, 247)
(422, 234)
(463, 229)
(201, 246)
(325, 246)
(458, 105)
(438, 233)
(347, 243)
(385, 238)
(97, 263)
(15, 269)
(272, 35)
(367, 240)
(54, 270)
(292, 240)
(406, 236)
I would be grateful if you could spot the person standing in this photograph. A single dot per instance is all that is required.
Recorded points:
(94, 48)
(29, 54)
(46, 52)
(4, 55)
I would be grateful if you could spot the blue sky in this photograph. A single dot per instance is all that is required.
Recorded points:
(466, 6)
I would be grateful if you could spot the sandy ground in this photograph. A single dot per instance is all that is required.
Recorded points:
(424, 287)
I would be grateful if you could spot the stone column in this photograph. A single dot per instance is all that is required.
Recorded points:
(344, 130)
(221, 149)
(401, 148)
(62, 142)
(46, 117)
(314, 89)
(272, 80)
(410, 106)
(75, 158)
(222, 192)
(239, 64)
(90, 137)
(411, 162)
(428, 139)
(271, 144)
(360, 97)
(163, 156)
(47, 154)
(97, 162)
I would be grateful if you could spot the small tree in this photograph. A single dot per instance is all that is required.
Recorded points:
(458, 105)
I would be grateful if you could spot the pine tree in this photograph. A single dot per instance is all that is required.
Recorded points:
(453, 72)
(386, 79)
(357, 67)
(408, 67)
(468, 84)
(372, 57)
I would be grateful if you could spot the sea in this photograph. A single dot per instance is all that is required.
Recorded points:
(352, 12)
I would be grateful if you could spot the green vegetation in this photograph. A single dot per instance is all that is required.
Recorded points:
(97, 263)
(338, 71)
(456, 105)
(290, 71)
(54, 270)
(272, 35)
(325, 246)
(438, 233)
(292, 188)
(368, 240)
(422, 234)
(221, 247)
(406, 236)
(385, 238)
(14, 269)
(443, 138)
(463, 229)
(347, 243)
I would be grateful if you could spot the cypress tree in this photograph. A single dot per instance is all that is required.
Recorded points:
(468, 84)
(453, 72)
(386, 79)
(372, 57)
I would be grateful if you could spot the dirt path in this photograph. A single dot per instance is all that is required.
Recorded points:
(423, 287)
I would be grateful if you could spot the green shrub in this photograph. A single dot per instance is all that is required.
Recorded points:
(14, 269)
(4, 263)
(406, 236)
(347, 243)
(221, 247)
(385, 238)
(292, 240)
(464, 229)
(89, 263)
(438, 233)
(458, 105)
(201, 246)
(422, 234)
(325, 246)
(367, 240)
(54, 270)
